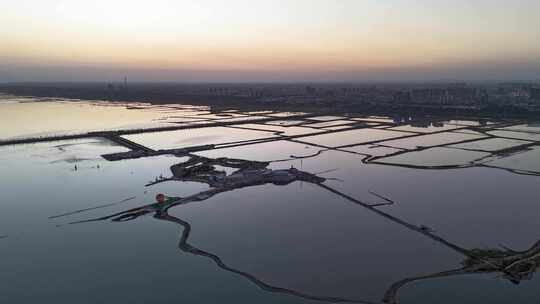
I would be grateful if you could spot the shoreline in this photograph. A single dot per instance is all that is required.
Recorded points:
(165, 95)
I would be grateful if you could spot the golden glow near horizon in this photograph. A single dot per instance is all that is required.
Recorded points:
(308, 35)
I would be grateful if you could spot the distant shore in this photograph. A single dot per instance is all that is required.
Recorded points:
(147, 94)
(172, 94)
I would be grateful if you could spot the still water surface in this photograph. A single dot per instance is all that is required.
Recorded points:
(298, 236)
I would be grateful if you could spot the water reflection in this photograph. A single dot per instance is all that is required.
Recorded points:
(478, 147)
(373, 152)
(513, 265)
(203, 170)
(92, 208)
(186, 247)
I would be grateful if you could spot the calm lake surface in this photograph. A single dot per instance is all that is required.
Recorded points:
(411, 204)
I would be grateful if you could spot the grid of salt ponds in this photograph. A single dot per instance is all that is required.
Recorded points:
(336, 128)
(196, 137)
(492, 144)
(217, 117)
(431, 140)
(374, 119)
(372, 150)
(351, 137)
(435, 157)
(429, 129)
(469, 123)
(285, 114)
(532, 128)
(260, 112)
(331, 123)
(285, 122)
(326, 118)
(176, 118)
(526, 161)
(241, 118)
(465, 131)
(287, 131)
(270, 151)
(516, 135)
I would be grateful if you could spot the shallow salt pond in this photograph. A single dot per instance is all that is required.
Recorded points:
(332, 123)
(351, 137)
(196, 137)
(372, 150)
(516, 135)
(288, 131)
(492, 144)
(54, 118)
(431, 140)
(435, 157)
(528, 160)
(429, 129)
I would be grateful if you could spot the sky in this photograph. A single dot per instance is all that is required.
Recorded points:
(269, 40)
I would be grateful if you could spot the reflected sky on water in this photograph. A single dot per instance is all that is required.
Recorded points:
(298, 236)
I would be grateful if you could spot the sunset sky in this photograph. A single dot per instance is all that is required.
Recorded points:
(269, 40)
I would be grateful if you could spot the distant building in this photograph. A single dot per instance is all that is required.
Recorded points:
(461, 94)
(456, 94)
(402, 97)
(535, 93)
(432, 95)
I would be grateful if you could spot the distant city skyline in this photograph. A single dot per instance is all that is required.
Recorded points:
(269, 40)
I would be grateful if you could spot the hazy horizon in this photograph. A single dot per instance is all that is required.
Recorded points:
(269, 41)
